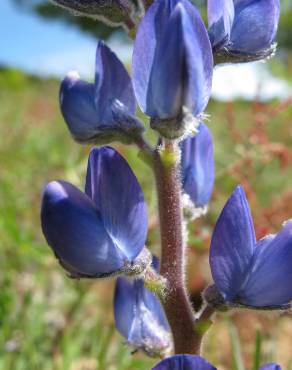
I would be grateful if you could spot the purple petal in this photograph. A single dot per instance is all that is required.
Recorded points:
(112, 83)
(74, 230)
(220, 19)
(124, 306)
(140, 318)
(271, 366)
(78, 108)
(148, 36)
(184, 362)
(172, 60)
(198, 166)
(270, 275)
(232, 245)
(90, 124)
(255, 25)
(90, 110)
(113, 187)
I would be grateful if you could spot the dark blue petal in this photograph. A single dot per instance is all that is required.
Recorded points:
(124, 306)
(78, 108)
(172, 60)
(112, 83)
(129, 124)
(184, 362)
(232, 245)
(255, 25)
(90, 111)
(271, 366)
(74, 229)
(149, 34)
(140, 318)
(220, 19)
(198, 166)
(119, 198)
(270, 275)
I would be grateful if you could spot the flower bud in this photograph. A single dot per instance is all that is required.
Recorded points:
(140, 318)
(101, 232)
(104, 111)
(246, 272)
(172, 65)
(197, 167)
(243, 30)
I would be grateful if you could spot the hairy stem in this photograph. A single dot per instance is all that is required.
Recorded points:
(176, 303)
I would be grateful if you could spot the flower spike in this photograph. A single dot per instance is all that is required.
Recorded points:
(197, 166)
(184, 362)
(140, 318)
(172, 65)
(103, 231)
(92, 111)
(248, 273)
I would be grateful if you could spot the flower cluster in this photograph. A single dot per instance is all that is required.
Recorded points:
(102, 231)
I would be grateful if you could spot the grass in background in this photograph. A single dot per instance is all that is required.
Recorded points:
(51, 322)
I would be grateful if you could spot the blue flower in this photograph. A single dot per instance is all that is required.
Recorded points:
(271, 366)
(100, 232)
(243, 28)
(172, 61)
(92, 111)
(247, 272)
(184, 362)
(140, 317)
(197, 166)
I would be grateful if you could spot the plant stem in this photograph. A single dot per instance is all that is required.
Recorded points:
(176, 303)
(204, 320)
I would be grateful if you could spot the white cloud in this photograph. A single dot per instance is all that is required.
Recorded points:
(248, 81)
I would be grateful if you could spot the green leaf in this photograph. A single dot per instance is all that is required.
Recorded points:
(237, 362)
(257, 350)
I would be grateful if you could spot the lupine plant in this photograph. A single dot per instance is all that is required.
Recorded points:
(102, 232)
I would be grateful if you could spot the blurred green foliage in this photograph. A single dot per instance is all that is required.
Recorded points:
(48, 321)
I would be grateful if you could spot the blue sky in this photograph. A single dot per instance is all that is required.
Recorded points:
(44, 47)
(52, 48)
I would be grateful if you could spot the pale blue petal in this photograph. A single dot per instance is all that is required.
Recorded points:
(220, 19)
